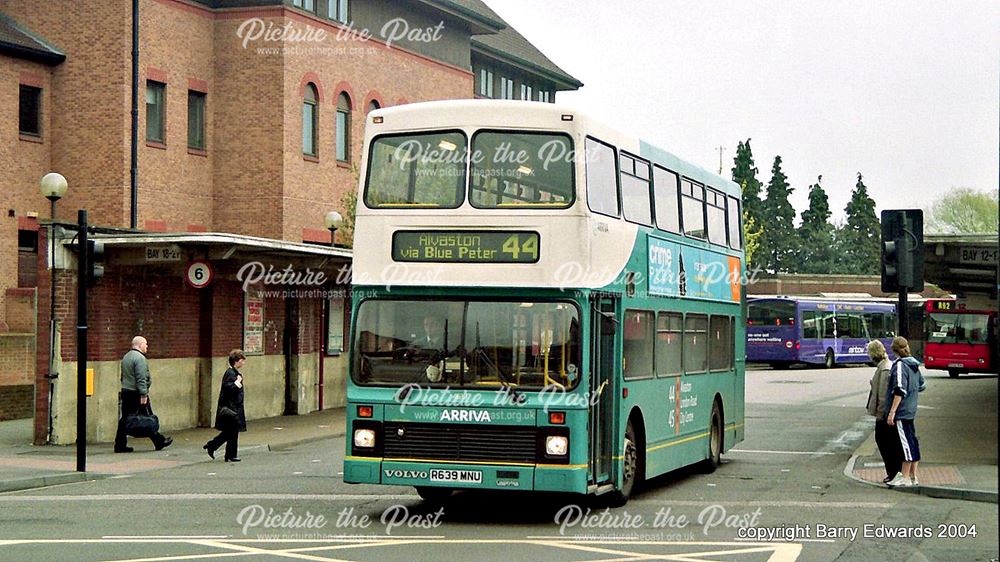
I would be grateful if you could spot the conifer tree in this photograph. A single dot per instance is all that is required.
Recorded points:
(778, 222)
(859, 246)
(815, 254)
(745, 175)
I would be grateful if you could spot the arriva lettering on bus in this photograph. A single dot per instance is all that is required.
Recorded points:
(465, 416)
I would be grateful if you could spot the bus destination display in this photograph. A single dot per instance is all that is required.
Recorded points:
(465, 246)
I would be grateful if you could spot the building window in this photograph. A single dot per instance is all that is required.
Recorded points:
(373, 105)
(310, 120)
(337, 10)
(156, 124)
(27, 258)
(506, 88)
(525, 92)
(544, 96)
(196, 120)
(30, 113)
(307, 5)
(485, 83)
(343, 127)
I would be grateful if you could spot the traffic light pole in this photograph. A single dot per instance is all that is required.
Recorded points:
(903, 314)
(81, 346)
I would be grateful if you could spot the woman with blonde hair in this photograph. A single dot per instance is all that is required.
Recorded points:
(886, 438)
(905, 383)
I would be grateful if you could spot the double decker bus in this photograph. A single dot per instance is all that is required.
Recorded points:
(542, 303)
(784, 331)
(959, 340)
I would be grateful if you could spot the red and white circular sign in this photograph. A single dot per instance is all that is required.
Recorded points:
(199, 274)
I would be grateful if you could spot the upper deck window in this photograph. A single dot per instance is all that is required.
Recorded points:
(417, 170)
(511, 169)
(716, 210)
(602, 178)
(693, 207)
(635, 190)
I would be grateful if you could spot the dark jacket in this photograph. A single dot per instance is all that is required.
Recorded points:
(231, 396)
(135, 372)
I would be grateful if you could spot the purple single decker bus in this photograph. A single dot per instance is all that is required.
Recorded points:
(784, 331)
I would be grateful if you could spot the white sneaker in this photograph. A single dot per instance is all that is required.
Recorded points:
(900, 481)
(915, 483)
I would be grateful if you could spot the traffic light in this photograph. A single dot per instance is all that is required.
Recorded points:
(902, 250)
(95, 262)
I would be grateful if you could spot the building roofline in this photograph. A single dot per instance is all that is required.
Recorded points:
(48, 55)
(568, 82)
(220, 239)
(481, 22)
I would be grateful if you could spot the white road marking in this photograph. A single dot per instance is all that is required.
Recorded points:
(767, 452)
(780, 552)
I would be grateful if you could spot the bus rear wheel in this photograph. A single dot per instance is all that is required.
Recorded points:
(953, 373)
(630, 469)
(829, 361)
(433, 494)
(715, 436)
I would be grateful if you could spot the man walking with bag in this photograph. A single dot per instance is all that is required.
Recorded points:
(135, 394)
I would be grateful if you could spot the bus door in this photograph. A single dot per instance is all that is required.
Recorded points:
(604, 318)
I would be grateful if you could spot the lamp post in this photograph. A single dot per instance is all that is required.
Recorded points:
(333, 221)
(53, 187)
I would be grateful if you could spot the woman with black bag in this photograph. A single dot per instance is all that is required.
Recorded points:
(230, 419)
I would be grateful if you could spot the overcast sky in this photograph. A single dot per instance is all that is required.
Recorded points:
(904, 92)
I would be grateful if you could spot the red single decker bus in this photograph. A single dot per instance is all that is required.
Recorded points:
(960, 340)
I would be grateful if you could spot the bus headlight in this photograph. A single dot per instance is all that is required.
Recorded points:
(364, 438)
(556, 445)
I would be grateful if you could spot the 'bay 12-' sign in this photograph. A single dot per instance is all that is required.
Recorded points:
(466, 246)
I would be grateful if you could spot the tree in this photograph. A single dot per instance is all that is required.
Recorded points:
(858, 247)
(751, 239)
(745, 175)
(964, 211)
(815, 253)
(778, 218)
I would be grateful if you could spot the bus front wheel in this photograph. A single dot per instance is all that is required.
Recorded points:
(714, 442)
(829, 362)
(630, 469)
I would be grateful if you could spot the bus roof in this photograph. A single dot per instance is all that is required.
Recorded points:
(527, 114)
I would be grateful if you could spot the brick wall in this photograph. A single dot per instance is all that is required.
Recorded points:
(15, 402)
(90, 93)
(364, 71)
(24, 161)
(17, 359)
(20, 310)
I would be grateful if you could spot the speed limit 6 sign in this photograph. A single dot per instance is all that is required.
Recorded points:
(199, 274)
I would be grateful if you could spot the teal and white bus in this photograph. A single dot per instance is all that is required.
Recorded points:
(540, 303)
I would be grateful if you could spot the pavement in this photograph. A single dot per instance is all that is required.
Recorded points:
(25, 466)
(956, 424)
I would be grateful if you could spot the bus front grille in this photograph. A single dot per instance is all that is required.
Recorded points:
(461, 442)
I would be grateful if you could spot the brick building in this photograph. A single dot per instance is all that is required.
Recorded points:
(249, 115)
